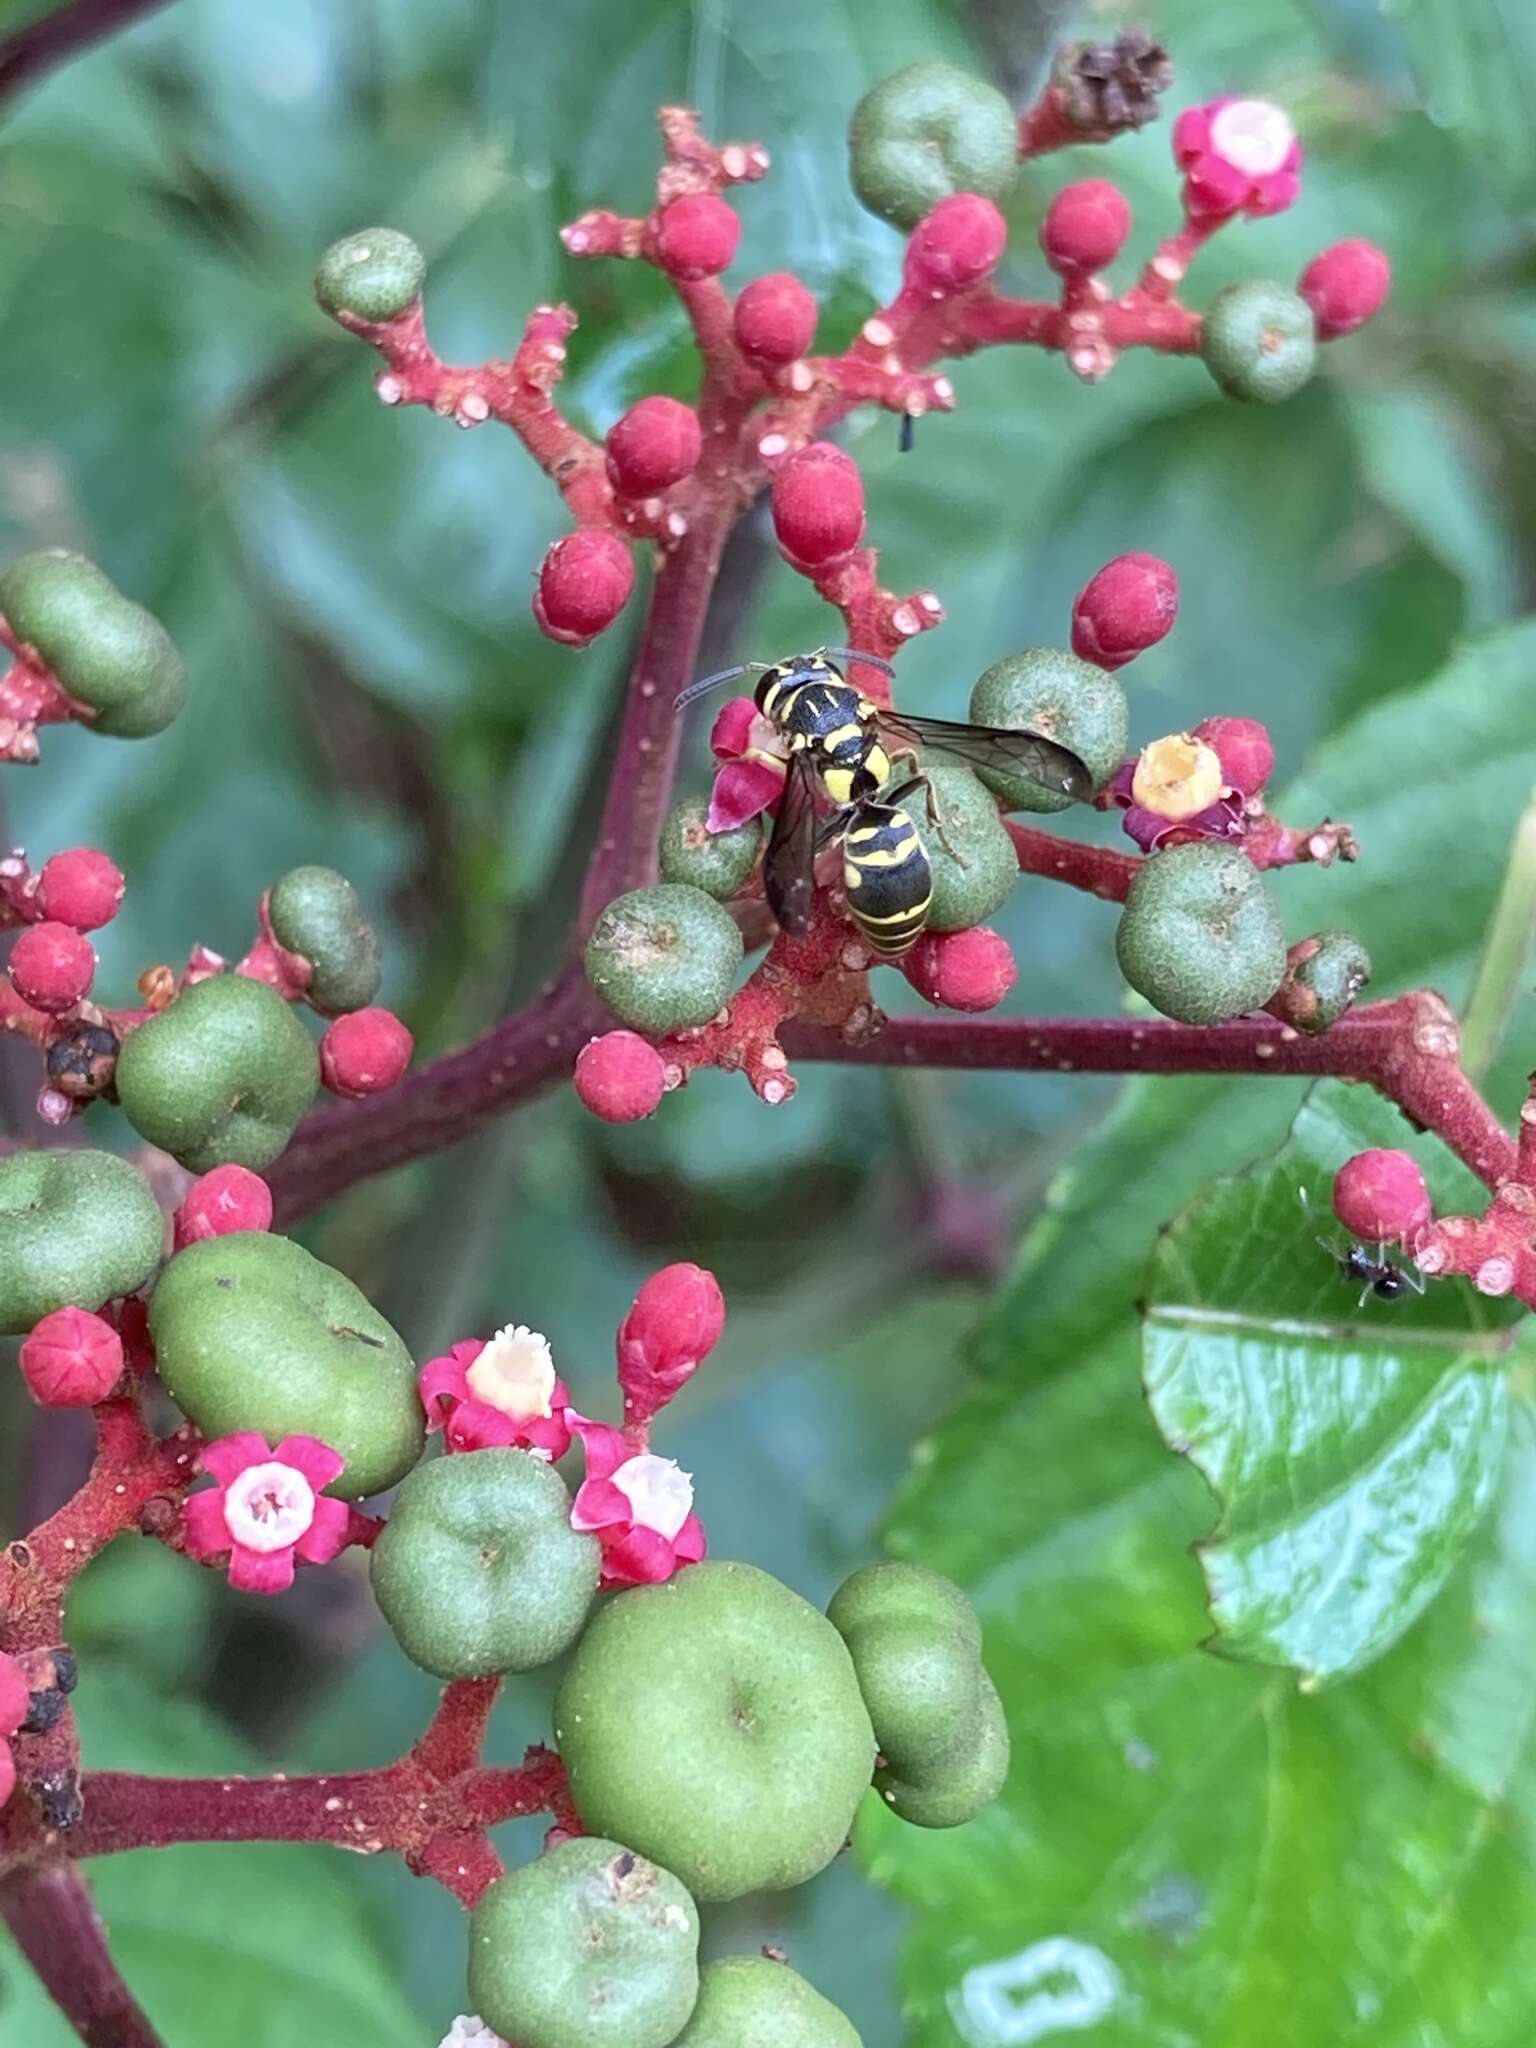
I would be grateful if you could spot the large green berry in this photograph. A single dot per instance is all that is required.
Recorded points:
(254, 1333)
(972, 857)
(751, 2002)
(1200, 936)
(1327, 972)
(478, 1568)
(221, 1077)
(716, 862)
(372, 275)
(314, 912)
(105, 649)
(928, 132)
(715, 1722)
(1259, 341)
(589, 1947)
(76, 1229)
(965, 1783)
(1053, 692)
(664, 959)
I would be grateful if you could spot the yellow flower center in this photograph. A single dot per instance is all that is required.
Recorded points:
(1176, 777)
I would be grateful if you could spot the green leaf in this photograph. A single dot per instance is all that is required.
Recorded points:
(1352, 1446)
(1476, 62)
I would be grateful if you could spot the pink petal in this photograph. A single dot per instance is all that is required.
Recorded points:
(1275, 194)
(600, 1505)
(326, 1536)
(743, 790)
(1192, 133)
(477, 1426)
(642, 1558)
(690, 1542)
(547, 1433)
(604, 1445)
(441, 1382)
(258, 1571)
(228, 1456)
(731, 733)
(1215, 187)
(203, 1526)
(307, 1454)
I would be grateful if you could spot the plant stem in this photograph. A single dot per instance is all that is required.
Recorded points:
(1502, 964)
(29, 53)
(48, 1909)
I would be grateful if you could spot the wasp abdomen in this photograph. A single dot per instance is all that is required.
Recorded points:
(886, 878)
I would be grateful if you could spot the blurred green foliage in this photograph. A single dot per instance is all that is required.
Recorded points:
(350, 589)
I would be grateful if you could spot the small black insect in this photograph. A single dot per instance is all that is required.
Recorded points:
(1376, 1271)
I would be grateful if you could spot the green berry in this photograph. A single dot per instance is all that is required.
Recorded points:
(750, 2002)
(975, 872)
(1053, 692)
(254, 1333)
(664, 959)
(925, 133)
(965, 1784)
(372, 275)
(1259, 341)
(716, 862)
(1201, 936)
(314, 912)
(221, 1077)
(589, 1947)
(715, 1722)
(1327, 972)
(76, 1229)
(105, 649)
(478, 1568)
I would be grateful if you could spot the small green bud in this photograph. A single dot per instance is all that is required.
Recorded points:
(478, 1568)
(1200, 936)
(664, 959)
(716, 862)
(589, 1947)
(1259, 341)
(221, 1077)
(968, 894)
(965, 1784)
(751, 2002)
(1055, 693)
(76, 1229)
(715, 1722)
(372, 275)
(252, 1332)
(1325, 975)
(106, 650)
(314, 912)
(925, 133)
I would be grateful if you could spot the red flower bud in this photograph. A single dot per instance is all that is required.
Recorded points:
(969, 970)
(82, 888)
(1346, 286)
(620, 1077)
(1244, 749)
(655, 444)
(775, 318)
(15, 1696)
(71, 1359)
(818, 505)
(696, 235)
(52, 967)
(675, 1323)
(228, 1199)
(1085, 227)
(364, 1052)
(958, 244)
(1126, 608)
(584, 583)
(1380, 1196)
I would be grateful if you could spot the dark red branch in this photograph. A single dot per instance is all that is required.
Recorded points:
(1101, 870)
(49, 1912)
(29, 53)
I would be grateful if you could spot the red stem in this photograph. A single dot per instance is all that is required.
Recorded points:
(52, 1920)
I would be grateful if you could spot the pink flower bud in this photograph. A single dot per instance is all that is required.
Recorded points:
(1085, 227)
(958, 244)
(364, 1052)
(584, 583)
(655, 444)
(775, 318)
(1244, 749)
(71, 1359)
(674, 1323)
(52, 967)
(1125, 609)
(620, 1077)
(15, 1695)
(228, 1199)
(818, 506)
(1346, 286)
(82, 888)
(970, 970)
(1238, 156)
(1380, 1197)
(696, 235)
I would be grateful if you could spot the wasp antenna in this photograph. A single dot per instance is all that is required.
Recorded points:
(723, 675)
(854, 654)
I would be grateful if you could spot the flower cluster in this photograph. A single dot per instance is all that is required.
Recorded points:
(266, 1510)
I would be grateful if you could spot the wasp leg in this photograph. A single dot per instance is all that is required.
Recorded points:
(935, 819)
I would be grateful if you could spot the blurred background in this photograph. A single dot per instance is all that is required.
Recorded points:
(350, 589)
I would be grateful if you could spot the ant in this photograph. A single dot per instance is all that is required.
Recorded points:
(1381, 1275)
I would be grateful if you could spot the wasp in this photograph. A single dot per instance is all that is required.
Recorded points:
(841, 744)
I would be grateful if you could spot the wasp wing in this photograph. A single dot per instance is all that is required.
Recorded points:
(997, 746)
(789, 880)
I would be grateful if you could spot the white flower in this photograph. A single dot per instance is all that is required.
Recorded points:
(1252, 136)
(470, 2031)
(660, 1493)
(269, 1507)
(515, 1373)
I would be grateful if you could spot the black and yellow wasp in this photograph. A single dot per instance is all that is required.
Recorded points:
(840, 743)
